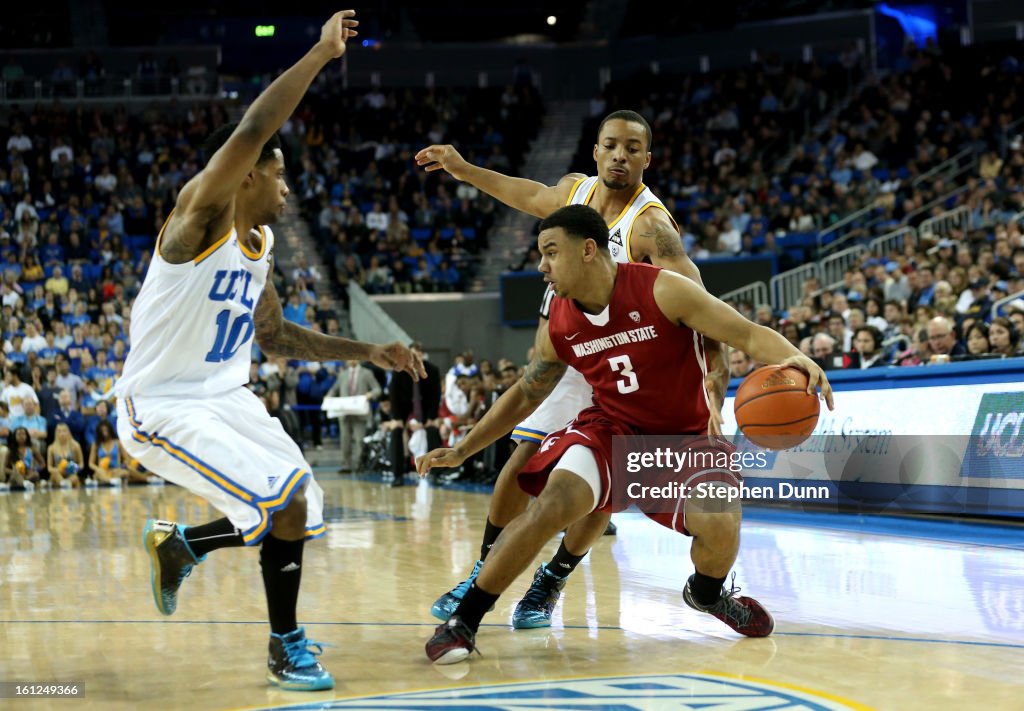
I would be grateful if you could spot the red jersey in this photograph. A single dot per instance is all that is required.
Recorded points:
(646, 371)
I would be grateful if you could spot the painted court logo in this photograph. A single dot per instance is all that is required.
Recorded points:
(683, 692)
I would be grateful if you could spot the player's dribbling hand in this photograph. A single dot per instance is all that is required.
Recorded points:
(336, 32)
(438, 458)
(395, 356)
(442, 158)
(815, 377)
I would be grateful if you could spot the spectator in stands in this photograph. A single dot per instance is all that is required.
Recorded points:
(981, 300)
(867, 350)
(740, 364)
(295, 309)
(924, 294)
(66, 380)
(825, 352)
(15, 392)
(897, 285)
(942, 339)
(64, 459)
(839, 332)
(1004, 337)
(33, 422)
(57, 284)
(978, 339)
(101, 414)
(919, 351)
(67, 413)
(1016, 317)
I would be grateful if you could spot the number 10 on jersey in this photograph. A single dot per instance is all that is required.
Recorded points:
(228, 341)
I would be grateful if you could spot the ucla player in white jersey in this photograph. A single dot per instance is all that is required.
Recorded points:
(641, 229)
(184, 411)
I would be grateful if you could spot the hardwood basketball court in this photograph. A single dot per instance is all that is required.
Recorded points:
(869, 615)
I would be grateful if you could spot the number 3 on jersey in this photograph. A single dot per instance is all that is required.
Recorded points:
(622, 364)
(227, 343)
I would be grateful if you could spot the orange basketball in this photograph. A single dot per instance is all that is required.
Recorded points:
(773, 409)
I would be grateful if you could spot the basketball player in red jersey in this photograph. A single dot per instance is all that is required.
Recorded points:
(631, 330)
(641, 229)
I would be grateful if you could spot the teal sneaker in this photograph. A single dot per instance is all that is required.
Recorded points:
(170, 561)
(445, 605)
(292, 665)
(534, 610)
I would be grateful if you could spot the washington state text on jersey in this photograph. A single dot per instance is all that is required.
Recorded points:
(635, 335)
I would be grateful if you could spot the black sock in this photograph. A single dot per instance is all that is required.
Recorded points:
(564, 562)
(281, 562)
(706, 590)
(491, 533)
(213, 535)
(474, 606)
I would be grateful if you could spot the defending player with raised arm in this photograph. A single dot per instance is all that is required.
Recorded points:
(630, 329)
(184, 411)
(641, 229)
(243, 186)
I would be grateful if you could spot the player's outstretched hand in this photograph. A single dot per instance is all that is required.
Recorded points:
(815, 377)
(395, 356)
(336, 32)
(442, 158)
(438, 458)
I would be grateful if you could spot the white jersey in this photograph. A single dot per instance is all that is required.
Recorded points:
(192, 324)
(573, 393)
(621, 228)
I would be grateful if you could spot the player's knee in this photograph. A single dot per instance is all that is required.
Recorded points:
(289, 523)
(564, 500)
(716, 526)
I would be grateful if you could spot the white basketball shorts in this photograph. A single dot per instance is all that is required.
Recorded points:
(228, 450)
(572, 395)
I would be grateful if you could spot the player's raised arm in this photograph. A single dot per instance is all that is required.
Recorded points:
(655, 237)
(283, 339)
(204, 201)
(540, 378)
(684, 302)
(527, 196)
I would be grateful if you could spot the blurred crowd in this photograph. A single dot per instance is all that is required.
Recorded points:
(939, 299)
(382, 222)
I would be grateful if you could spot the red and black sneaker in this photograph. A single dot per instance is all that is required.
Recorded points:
(452, 642)
(744, 614)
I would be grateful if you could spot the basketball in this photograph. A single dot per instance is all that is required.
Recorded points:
(773, 409)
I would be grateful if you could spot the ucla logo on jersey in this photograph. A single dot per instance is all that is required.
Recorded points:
(676, 691)
(234, 330)
(229, 283)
